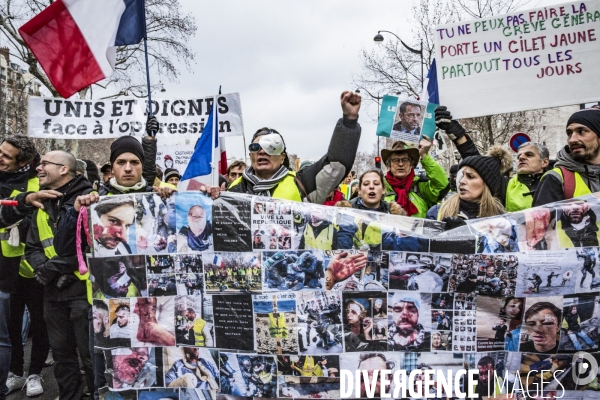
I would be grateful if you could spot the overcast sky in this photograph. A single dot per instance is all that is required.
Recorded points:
(290, 61)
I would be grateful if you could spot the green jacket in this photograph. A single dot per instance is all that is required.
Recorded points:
(423, 194)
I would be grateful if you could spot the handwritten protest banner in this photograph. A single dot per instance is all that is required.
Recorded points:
(57, 118)
(545, 57)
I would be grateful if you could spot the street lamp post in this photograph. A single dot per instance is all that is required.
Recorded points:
(379, 38)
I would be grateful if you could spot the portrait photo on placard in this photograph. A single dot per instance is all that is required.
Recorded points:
(120, 314)
(408, 120)
(135, 367)
(367, 362)
(319, 322)
(314, 227)
(249, 375)
(309, 376)
(102, 325)
(191, 367)
(119, 276)
(540, 332)
(293, 270)
(409, 321)
(358, 229)
(362, 312)
(194, 222)
(113, 226)
(578, 224)
(153, 233)
(275, 323)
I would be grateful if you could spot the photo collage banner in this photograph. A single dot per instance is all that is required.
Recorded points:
(248, 296)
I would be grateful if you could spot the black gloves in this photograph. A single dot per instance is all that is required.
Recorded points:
(453, 222)
(152, 126)
(444, 121)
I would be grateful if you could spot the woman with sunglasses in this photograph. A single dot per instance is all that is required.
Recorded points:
(270, 173)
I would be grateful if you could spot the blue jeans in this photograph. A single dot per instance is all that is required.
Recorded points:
(4, 342)
(584, 336)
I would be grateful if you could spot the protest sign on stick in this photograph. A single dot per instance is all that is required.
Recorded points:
(525, 60)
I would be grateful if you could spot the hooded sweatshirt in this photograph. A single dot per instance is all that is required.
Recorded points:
(551, 186)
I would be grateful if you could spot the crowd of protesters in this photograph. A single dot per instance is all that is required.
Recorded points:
(39, 267)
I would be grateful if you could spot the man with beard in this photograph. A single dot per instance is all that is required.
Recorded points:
(132, 369)
(120, 328)
(198, 329)
(577, 165)
(101, 324)
(116, 215)
(197, 236)
(371, 362)
(192, 372)
(405, 332)
(578, 225)
(486, 384)
(319, 233)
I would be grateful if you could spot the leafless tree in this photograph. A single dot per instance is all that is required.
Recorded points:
(395, 70)
(168, 30)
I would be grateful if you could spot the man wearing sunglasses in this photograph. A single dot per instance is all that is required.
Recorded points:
(270, 173)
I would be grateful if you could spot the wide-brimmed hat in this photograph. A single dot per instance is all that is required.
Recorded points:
(400, 146)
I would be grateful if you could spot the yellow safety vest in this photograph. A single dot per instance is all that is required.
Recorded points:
(581, 189)
(25, 270)
(515, 201)
(323, 241)
(277, 326)
(372, 235)
(47, 241)
(199, 325)
(285, 190)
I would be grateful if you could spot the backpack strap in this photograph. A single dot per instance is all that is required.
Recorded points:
(302, 189)
(568, 183)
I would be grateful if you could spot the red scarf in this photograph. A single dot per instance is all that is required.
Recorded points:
(337, 196)
(402, 187)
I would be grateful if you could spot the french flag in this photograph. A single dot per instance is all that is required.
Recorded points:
(431, 90)
(218, 261)
(75, 41)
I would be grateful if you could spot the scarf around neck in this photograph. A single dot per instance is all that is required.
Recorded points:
(402, 188)
(262, 187)
(126, 189)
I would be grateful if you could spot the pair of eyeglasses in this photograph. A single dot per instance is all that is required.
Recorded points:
(44, 164)
(399, 161)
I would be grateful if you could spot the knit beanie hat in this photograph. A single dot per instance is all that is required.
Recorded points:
(490, 167)
(126, 144)
(589, 117)
(171, 172)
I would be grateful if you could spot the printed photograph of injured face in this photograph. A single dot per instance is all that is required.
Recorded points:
(197, 235)
(424, 272)
(409, 326)
(370, 362)
(580, 323)
(408, 120)
(112, 219)
(495, 235)
(191, 367)
(133, 367)
(578, 225)
(541, 327)
(118, 277)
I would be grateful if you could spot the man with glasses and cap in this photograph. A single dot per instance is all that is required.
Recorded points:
(270, 174)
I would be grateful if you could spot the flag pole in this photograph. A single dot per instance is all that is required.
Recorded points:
(147, 63)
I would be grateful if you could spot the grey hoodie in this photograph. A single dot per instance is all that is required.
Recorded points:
(551, 186)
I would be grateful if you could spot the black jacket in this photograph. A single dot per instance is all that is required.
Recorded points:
(62, 221)
(322, 177)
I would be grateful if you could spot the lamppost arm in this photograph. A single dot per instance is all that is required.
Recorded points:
(379, 38)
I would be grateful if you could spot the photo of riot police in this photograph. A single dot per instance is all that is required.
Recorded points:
(163, 285)
(586, 269)
(158, 264)
(248, 375)
(489, 275)
(319, 322)
(426, 272)
(293, 270)
(360, 323)
(121, 276)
